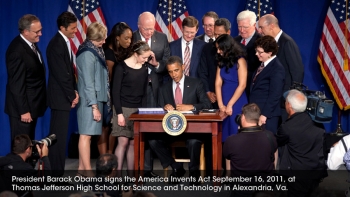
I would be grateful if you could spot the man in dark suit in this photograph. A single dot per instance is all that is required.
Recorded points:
(208, 64)
(26, 84)
(288, 53)
(193, 98)
(160, 47)
(208, 21)
(189, 43)
(156, 67)
(246, 21)
(62, 94)
(301, 147)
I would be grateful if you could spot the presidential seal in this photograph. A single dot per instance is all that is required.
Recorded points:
(174, 123)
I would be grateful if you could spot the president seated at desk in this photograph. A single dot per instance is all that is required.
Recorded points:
(183, 93)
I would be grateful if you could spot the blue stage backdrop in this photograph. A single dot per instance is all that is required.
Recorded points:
(302, 20)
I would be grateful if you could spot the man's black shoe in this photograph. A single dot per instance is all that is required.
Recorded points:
(177, 173)
(151, 174)
(194, 177)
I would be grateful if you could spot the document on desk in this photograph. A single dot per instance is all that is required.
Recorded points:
(186, 112)
(151, 111)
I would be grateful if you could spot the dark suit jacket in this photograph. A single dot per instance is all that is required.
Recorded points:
(252, 60)
(176, 50)
(289, 55)
(161, 50)
(266, 91)
(301, 142)
(207, 67)
(26, 83)
(193, 93)
(201, 37)
(62, 82)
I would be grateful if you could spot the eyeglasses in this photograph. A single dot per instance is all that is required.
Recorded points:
(259, 52)
(147, 29)
(36, 32)
(210, 26)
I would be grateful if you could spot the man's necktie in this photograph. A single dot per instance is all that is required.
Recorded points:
(261, 67)
(187, 59)
(34, 49)
(243, 42)
(178, 94)
(211, 40)
(146, 40)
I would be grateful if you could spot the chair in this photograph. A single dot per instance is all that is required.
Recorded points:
(182, 144)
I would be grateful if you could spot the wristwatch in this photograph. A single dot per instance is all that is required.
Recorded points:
(194, 108)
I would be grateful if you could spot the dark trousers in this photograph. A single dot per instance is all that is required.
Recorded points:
(57, 152)
(19, 127)
(272, 124)
(160, 148)
(302, 187)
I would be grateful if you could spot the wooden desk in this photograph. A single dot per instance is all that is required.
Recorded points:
(196, 123)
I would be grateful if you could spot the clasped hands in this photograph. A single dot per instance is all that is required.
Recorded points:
(179, 107)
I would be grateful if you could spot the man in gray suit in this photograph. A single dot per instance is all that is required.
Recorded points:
(156, 66)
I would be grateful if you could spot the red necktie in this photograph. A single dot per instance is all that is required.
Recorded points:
(187, 59)
(243, 42)
(261, 67)
(178, 94)
(146, 40)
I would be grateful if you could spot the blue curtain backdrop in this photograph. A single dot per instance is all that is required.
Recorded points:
(302, 20)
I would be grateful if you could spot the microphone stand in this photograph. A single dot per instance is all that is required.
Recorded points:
(339, 130)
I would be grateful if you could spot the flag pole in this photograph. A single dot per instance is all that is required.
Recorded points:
(346, 60)
(170, 26)
(259, 9)
(84, 24)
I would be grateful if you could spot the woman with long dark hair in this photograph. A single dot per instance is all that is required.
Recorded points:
(230, 83)
(117, 48)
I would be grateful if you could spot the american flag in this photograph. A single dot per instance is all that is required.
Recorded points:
(169, 17)
(87, 12)
(333, 53)
(260, 7)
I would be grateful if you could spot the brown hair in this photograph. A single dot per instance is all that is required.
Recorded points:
(268, 43)
(251, 112)
(190, 21)
(21, 143)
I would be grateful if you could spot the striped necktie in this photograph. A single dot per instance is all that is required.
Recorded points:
(187, 59)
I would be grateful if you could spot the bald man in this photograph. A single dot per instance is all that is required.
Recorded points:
(288, 53)
(156, 67)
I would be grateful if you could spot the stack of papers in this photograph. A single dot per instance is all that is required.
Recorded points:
(151, 111)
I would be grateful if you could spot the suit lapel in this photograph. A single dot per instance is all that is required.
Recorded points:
(170, 93)
(186, 91)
